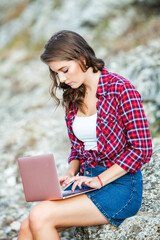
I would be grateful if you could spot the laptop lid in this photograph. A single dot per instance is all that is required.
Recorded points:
(39, 178)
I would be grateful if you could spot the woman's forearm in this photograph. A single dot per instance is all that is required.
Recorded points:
(73, 168)
(112, 174)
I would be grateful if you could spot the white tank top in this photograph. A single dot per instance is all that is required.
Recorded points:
(84, 128)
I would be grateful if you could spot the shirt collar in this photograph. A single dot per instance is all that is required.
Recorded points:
(101, 90)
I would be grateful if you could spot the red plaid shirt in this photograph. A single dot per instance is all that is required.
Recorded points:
(122, 131)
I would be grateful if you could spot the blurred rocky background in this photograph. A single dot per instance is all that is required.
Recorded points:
(126, 34)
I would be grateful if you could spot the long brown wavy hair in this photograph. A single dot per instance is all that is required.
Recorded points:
(66, 46)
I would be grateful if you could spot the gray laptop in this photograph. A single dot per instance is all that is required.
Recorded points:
(40, 179)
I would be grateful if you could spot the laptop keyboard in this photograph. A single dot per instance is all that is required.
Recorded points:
(78, 191)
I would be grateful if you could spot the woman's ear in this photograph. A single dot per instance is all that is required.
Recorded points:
(83, 60)
(82, 63)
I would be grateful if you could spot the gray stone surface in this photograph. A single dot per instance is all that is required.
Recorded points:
(142, 66)
(113, 16)
(29, 124)
(149, 2)
(143, 226)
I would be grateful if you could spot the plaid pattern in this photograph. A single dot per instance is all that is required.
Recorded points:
(123, 135)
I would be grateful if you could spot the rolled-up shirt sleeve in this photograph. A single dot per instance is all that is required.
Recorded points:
(138, 149)
(73, 155)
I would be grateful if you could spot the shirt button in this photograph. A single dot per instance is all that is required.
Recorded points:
(87, 172)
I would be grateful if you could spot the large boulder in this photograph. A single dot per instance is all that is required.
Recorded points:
(141, 66)
(143, 226)
(105, 19)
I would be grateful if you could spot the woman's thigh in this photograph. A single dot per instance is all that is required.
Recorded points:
(74, 211)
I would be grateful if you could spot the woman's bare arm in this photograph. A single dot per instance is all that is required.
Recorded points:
(106, 177)
(73, 168)
(111, 174)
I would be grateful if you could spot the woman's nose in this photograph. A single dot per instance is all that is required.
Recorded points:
(62, 77)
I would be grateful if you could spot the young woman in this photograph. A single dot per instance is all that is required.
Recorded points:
(110, 141)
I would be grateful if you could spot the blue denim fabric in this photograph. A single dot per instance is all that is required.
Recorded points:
(117, 200)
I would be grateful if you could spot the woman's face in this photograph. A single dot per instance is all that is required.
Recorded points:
(69, 72)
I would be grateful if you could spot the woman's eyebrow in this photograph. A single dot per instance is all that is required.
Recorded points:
(61, 68)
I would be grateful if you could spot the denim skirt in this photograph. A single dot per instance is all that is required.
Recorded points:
(119, 199)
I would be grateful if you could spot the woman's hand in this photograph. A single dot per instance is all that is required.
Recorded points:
(64, 179)
(91, 182)
(73, 169)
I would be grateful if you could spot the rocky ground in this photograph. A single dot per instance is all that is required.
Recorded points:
(30, 125)
(146, 224)
(126, 35)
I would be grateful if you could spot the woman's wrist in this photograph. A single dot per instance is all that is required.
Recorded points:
(70, 174)
(100, 181)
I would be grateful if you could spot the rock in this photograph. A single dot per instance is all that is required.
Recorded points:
(143, 226)
(55, 15)
(143, 70)
(15, 226)
(29, 124)
(149, 2)
(137, 227)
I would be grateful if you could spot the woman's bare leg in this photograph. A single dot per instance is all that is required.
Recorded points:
(62, 229)
(25, 232)
(48, 217)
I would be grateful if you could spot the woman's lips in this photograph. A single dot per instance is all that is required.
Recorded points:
(69, 83)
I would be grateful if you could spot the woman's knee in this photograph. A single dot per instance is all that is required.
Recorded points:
(42, 214)
(24, 226)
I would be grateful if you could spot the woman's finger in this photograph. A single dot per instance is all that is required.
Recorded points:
(62, 179)
(79, 180)
(74, 185)
(92, 182)
(80, 183)
(72, 179)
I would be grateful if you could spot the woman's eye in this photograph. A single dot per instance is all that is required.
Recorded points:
(65, 71)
